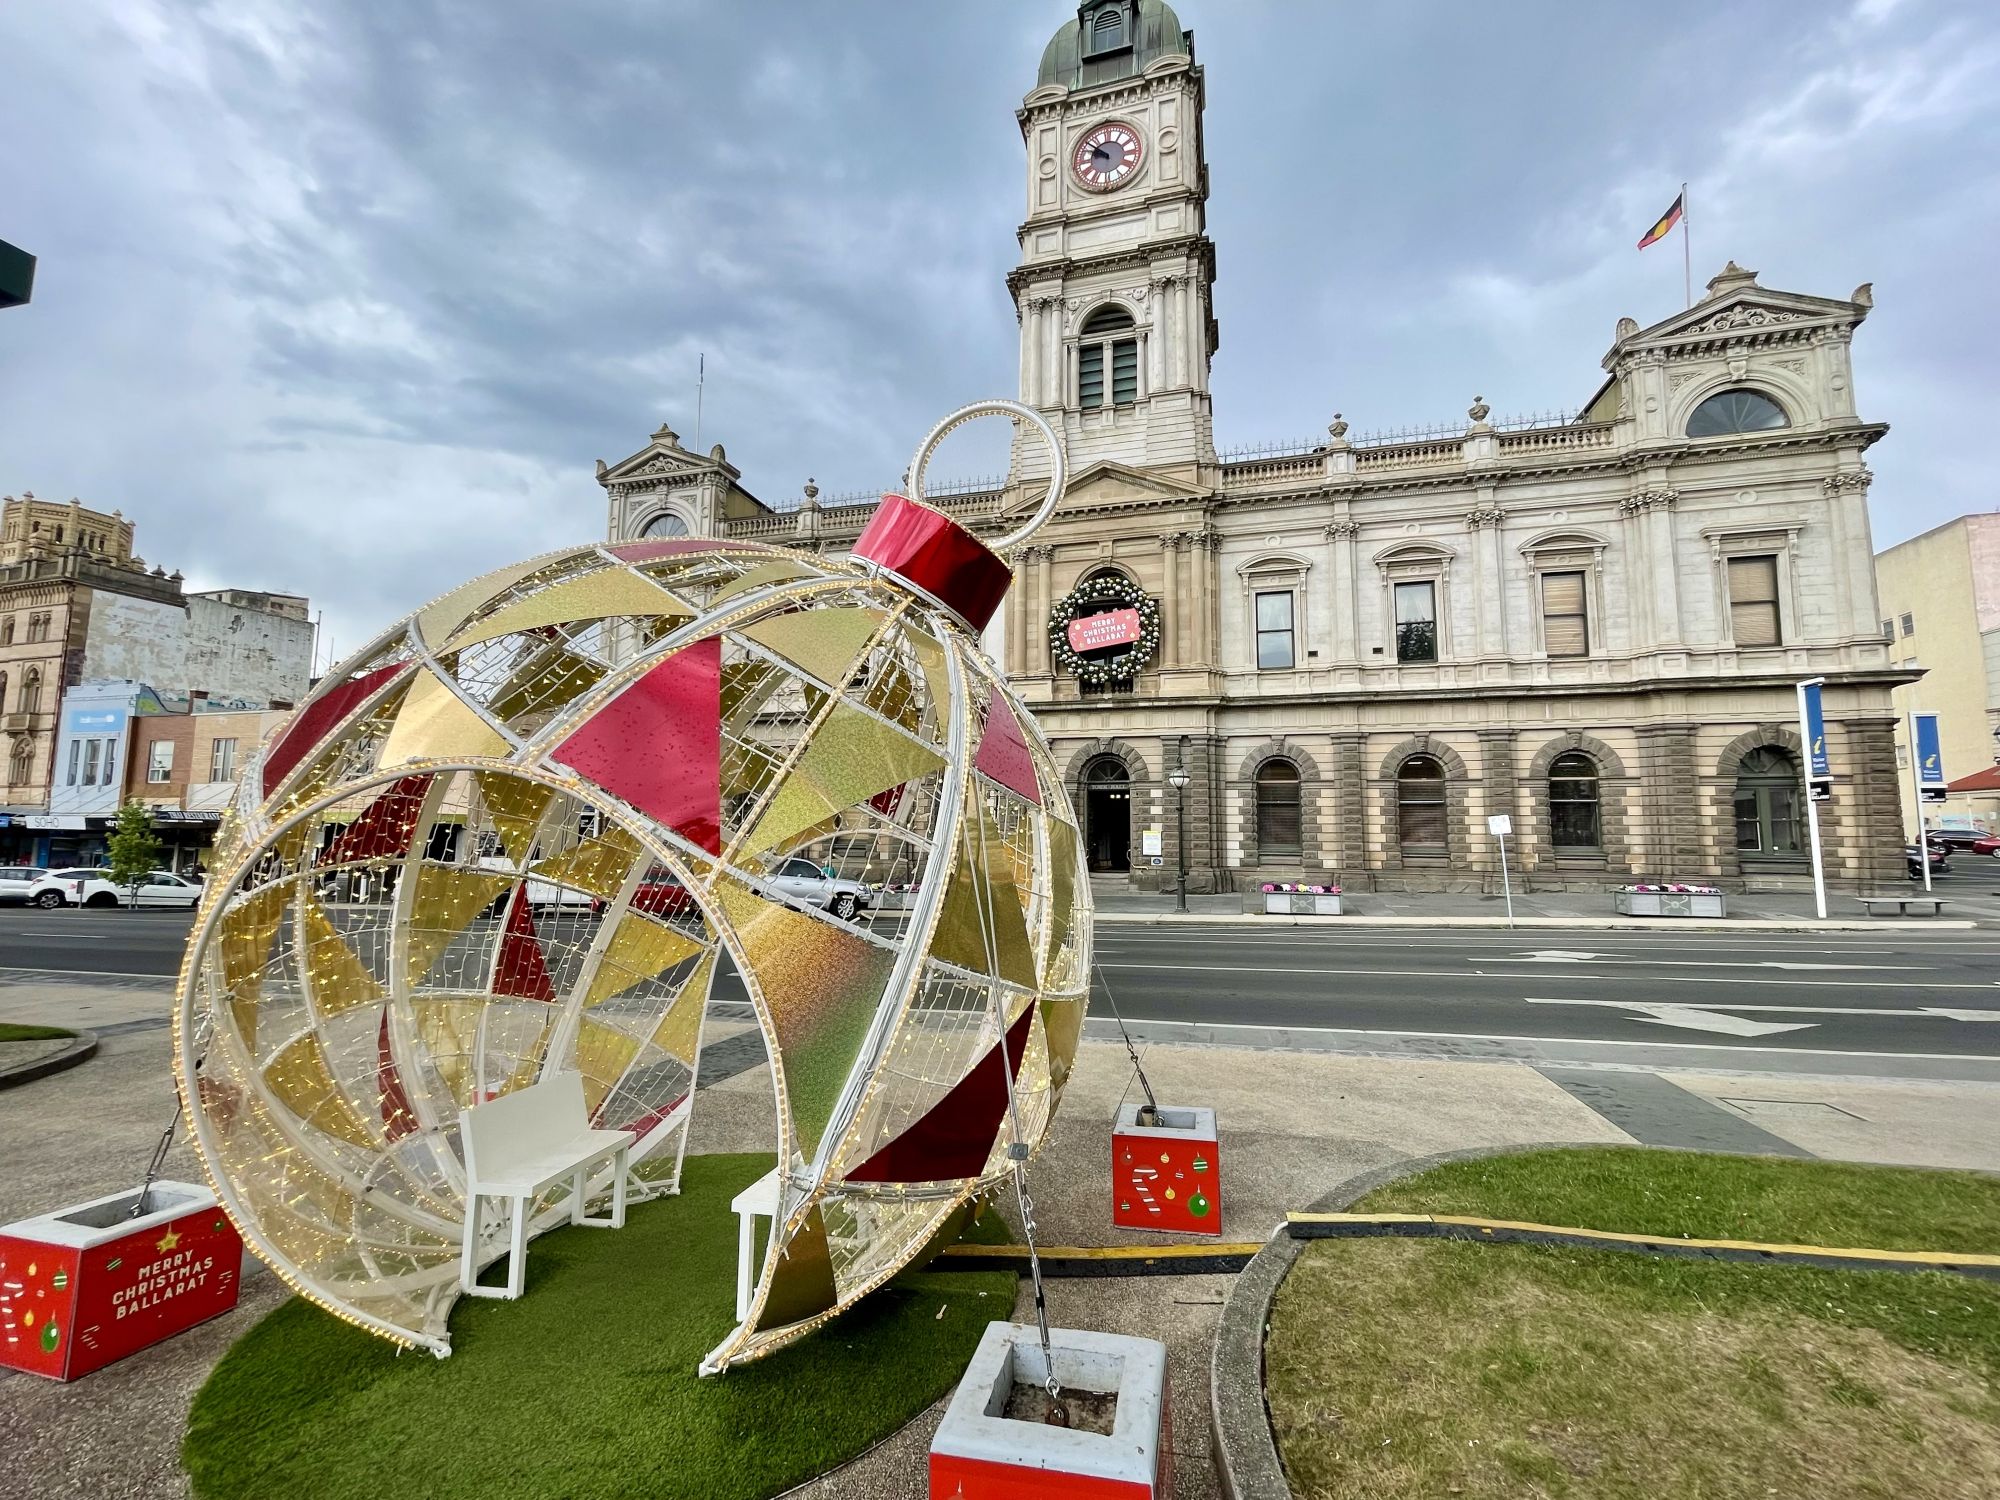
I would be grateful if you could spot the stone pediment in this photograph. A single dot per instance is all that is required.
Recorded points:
(1109, 483)
(665, 461)
(1736, 307)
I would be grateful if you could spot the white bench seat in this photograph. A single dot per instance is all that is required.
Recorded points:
(1903, 902)
(518, 1146)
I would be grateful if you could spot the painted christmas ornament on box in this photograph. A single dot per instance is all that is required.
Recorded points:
(518, 834)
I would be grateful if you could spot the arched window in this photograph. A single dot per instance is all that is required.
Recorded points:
(1421, 824)
(1277, 811)
(31, 692)
(665, 524)
(21, 763)
(7, 631)
(1767, 803)
(1735, 411)
(1107, 360)
(1573, 803)
(1085, 686)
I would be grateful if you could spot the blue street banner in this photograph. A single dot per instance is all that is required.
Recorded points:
(1930, 760)
(1815, 732)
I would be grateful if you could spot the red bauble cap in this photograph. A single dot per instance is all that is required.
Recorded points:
(935, 555)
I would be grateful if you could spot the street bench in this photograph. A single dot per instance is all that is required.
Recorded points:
(1903, 901)
(521, 1144)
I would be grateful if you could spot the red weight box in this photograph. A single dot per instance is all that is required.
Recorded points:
(1167, 1177)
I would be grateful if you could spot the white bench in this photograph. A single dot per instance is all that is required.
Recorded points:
(1903, 903)
(521, 1144)
(757, 1201)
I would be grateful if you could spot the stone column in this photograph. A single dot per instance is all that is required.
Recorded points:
(1341, 608)
(1666, 843)
(1201, 558)
(1038, 626)
(1171, 629)
(1862, 827)
(1346, 842)
(1500, 778)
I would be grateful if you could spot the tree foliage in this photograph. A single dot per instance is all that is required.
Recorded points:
(134, 851)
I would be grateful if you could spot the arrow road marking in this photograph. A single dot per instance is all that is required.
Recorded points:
(1688, 1018)
(1700, 1015)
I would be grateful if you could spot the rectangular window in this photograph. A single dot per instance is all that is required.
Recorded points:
(222, 761)
(1416, 622)
(75, 755)
(1565, 622)
(1909, 626)
(1753, 601)
(110, 761)
(160, 761)
(1274, 630)
(90, 754)
(1888, 630)
(1090, 376)
(1124, 372)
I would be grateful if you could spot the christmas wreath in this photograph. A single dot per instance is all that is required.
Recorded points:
(1089, 599)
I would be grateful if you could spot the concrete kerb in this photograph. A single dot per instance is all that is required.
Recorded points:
(81, 1049)
(1239, 1422)
(1609, 924)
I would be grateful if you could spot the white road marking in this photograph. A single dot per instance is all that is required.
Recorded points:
(1733, 980)
(1563, 955)
(1690, 1019)
(95, 973)
(1940, 1012)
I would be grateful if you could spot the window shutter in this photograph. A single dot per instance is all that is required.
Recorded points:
(1565, 629)
(1562, 593)
(1753, 600)
(1090, 375)
(1125, 372)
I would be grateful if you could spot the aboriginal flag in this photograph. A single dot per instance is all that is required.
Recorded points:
(1667, 221)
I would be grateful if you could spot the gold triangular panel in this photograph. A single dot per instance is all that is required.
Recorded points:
(439, 618)
(823, 642)
(820, 986)
(982, 896)
(448, 1031)
(597, 865)
(446, 899)
(516, 809)
(852, 756)
(336, 979)
(543, 684)
(778, 570)
(638, 950)
(1062, 1026)
(679, 1032)
(298, 1079)
(244, 936)
(603, 1053)
(436, 724)
(1062, 887)
(598, 595)
(801, 1278)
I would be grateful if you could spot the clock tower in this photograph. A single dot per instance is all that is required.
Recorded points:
(1113, 288)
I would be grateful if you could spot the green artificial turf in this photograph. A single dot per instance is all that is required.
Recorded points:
(1692, 1195)
(586, 1386)
(11, 1032)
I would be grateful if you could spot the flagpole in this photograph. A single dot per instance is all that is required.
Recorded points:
(1687, 256)
(700, 384)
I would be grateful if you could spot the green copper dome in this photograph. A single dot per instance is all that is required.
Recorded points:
(1110, 40)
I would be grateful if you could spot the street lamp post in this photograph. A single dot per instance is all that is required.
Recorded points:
(1177, 778)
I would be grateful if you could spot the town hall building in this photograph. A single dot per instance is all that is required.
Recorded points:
(1361, 651)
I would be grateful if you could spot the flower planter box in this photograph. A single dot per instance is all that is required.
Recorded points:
(1299, 904)
(1167, 1177)
(84, 1286)
(1668, 903)
(980, 1453)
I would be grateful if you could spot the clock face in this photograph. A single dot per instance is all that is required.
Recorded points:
(1107, 156)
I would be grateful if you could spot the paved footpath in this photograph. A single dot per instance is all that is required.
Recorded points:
(1295, 1125)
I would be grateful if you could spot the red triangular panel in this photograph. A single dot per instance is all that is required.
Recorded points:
(658, 744)
(317, 720)
(522, 971)
(955, 1135)
(1003, 752)
(398, 1119)
(385, 829)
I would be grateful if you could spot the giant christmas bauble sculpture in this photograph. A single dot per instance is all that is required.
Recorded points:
(519, 833)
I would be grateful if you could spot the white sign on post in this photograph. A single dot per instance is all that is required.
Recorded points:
(1500, 823)
(1149, 842)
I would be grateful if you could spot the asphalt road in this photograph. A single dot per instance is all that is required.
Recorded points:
(1892, 1004)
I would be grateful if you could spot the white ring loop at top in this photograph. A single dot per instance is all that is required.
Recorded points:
(998, 407)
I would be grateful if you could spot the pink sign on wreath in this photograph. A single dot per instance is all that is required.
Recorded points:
(1117, 627)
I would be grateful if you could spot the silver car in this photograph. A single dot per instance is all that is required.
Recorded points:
(807, 883)
(14, 883)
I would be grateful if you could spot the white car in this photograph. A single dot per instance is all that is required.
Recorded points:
(94, 888)
(805, 881)
(543, 895)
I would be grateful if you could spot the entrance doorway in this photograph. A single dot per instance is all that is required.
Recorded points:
(1107, 814)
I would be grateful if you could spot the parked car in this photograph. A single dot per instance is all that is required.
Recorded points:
(95, 888)
(15, 881)
(1989, 847)
(661, 894)
(1939, 862)
(544, 895)
(1955, 840)
(807, 882)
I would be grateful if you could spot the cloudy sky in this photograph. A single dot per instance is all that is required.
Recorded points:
(343, 298)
